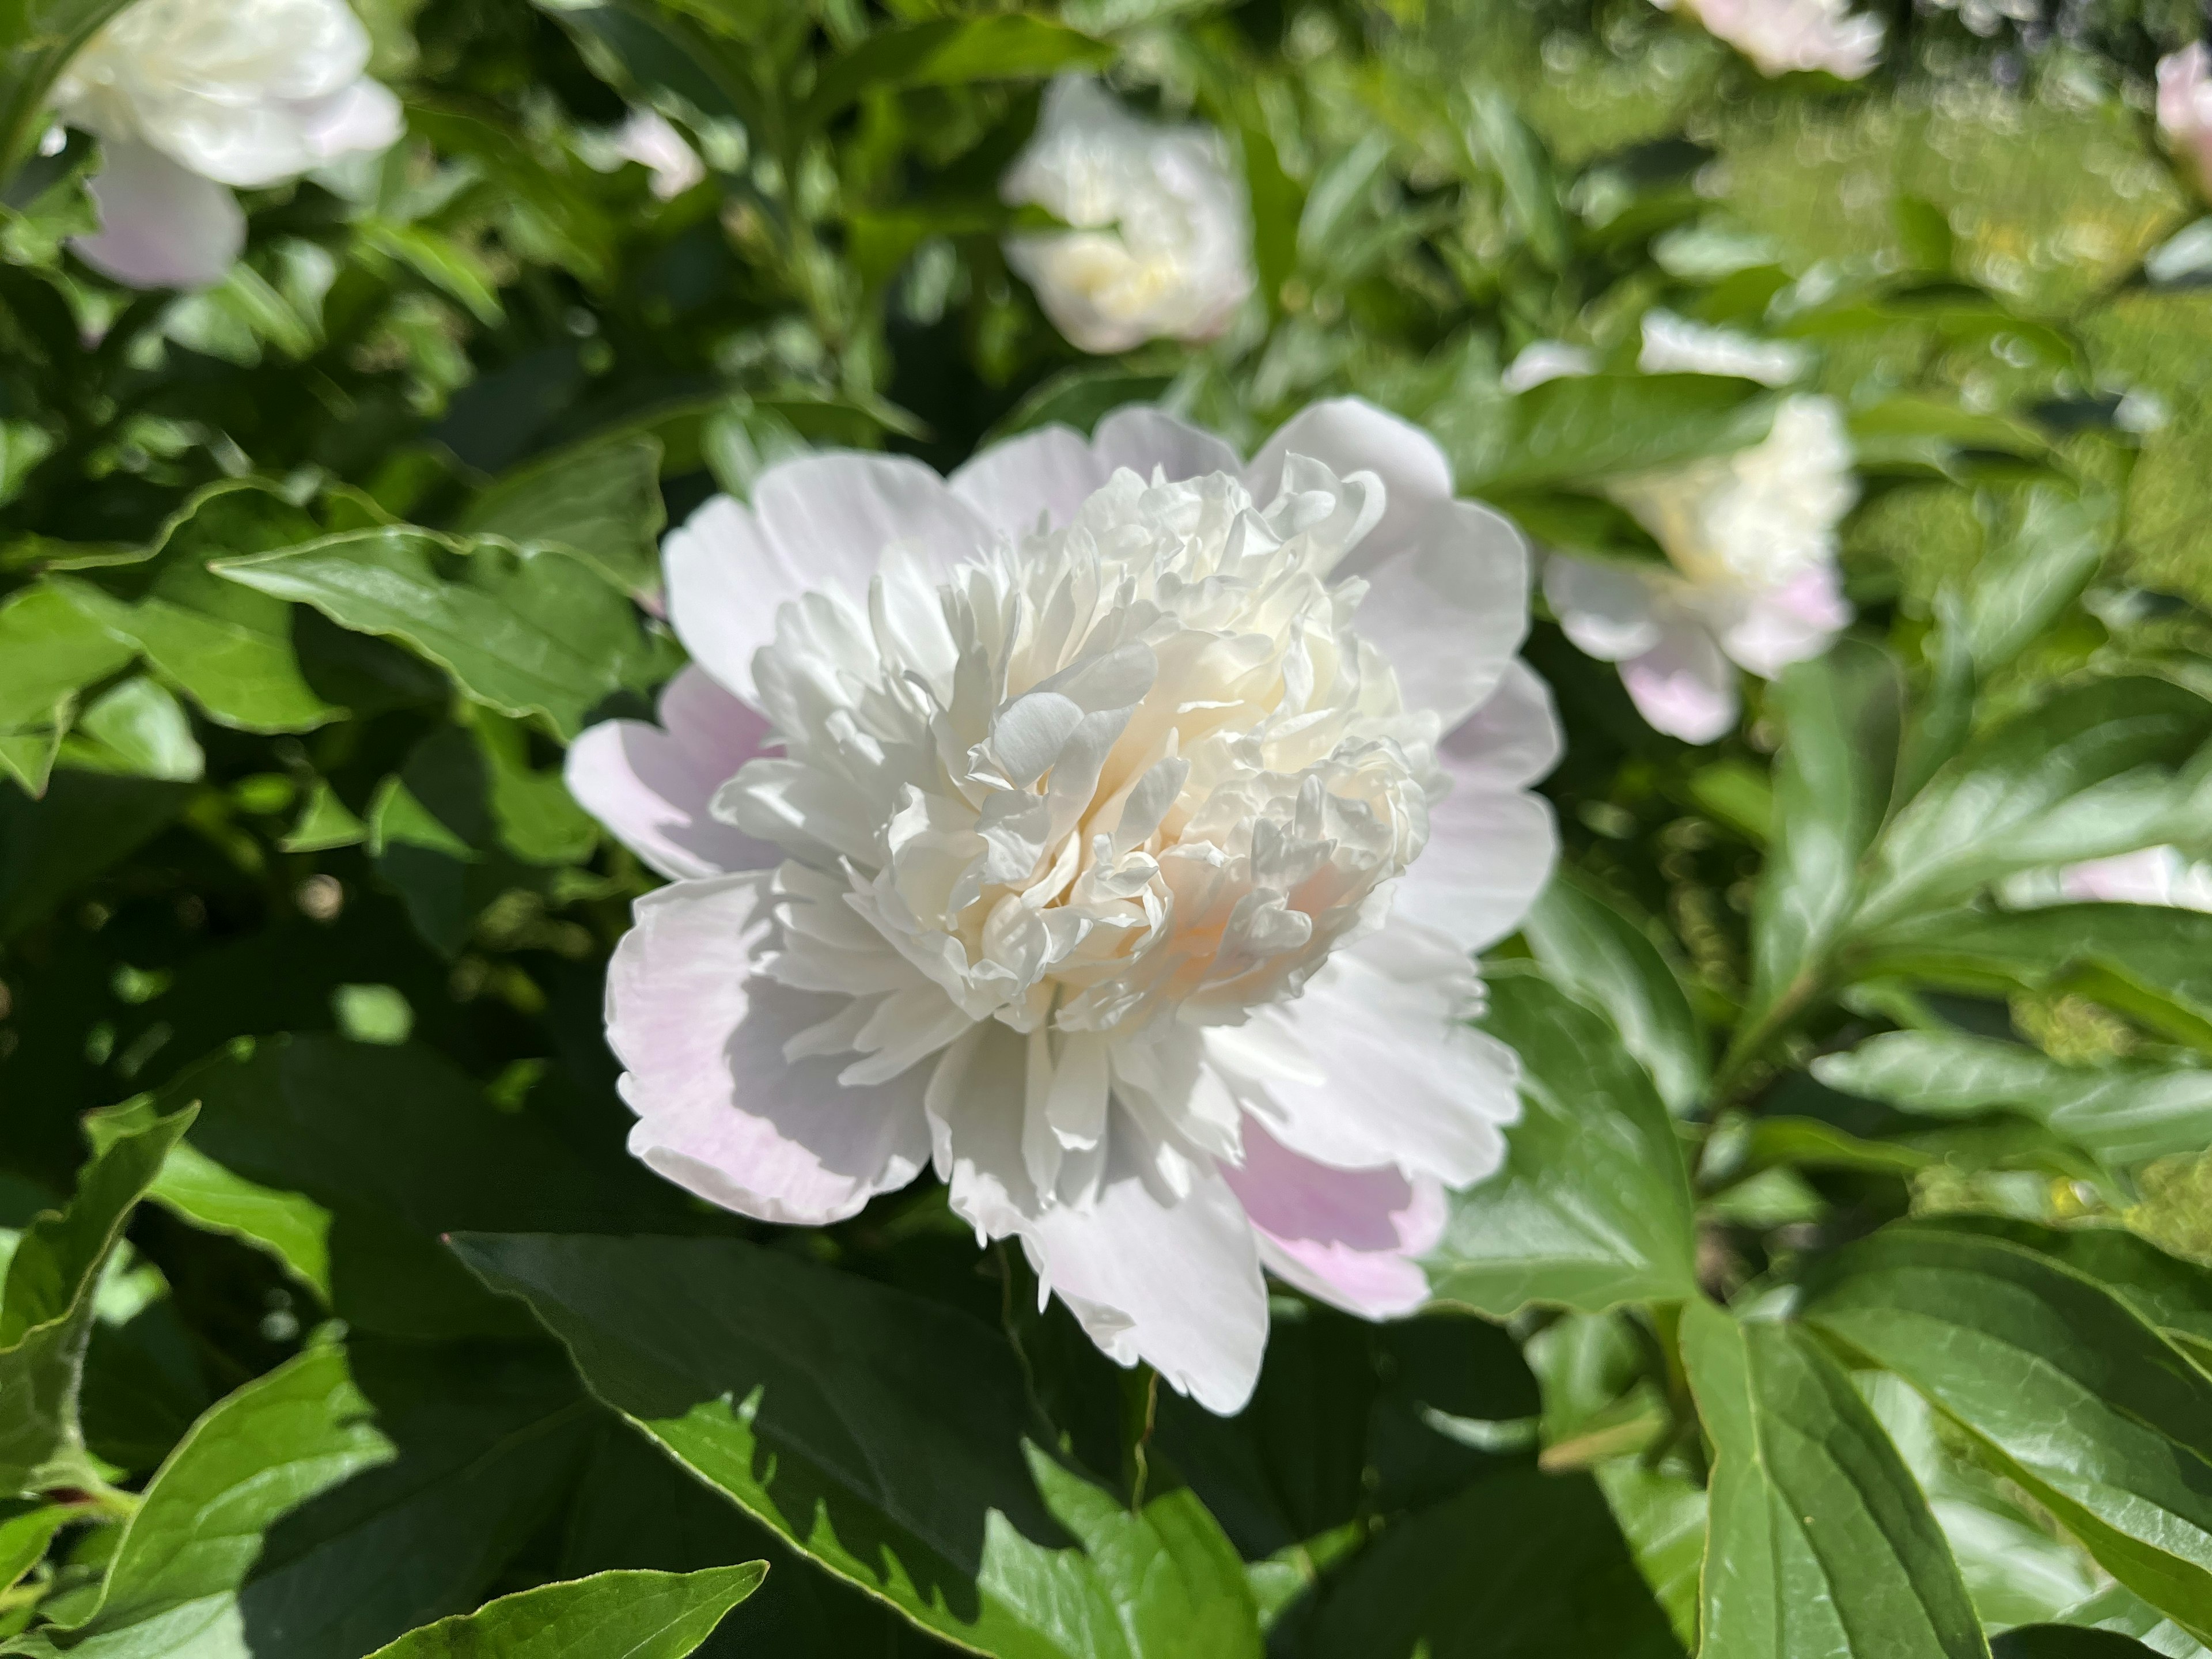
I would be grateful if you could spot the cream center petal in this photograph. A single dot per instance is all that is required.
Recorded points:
(1100, 789)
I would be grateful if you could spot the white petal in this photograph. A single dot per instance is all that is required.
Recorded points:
(363, 118)
(1683, 685)
(721, 1110)
(977, 1094)
(161, 225)
(1607, 611)
(1141, 437)
(1352, 1237)
(1490, 853)
(1176, 1286)
(1403, 1080)
(1511, 741)
(1049, 472)
(725, 583)
(1450, 598)
(651, 784)
(1790, 623)
(830, 518)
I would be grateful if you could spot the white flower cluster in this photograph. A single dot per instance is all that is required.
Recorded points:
(1161, 247)
(191, 97)
(1779, 36)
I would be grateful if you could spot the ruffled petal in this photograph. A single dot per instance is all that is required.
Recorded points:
(1608, 612)
(1448, 598)
(721, 1111)
(1352, 1237)
(1175, 1284)
(1375, 1064)
(651, 784)
(1511, 741)
(1790, 623)
(1490, 853)
(161, 225)
(1683, 685)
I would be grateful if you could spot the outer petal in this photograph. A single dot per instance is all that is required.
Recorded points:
(161, 225)
(720, 1112)
(1490, 853)
(1511, 741)
(1683, 685)
(1352, 1237)
(1448, 594)
(1608, 612)
(1050, 473)
(1141, 437)
(1790, 623)
(651, 785)
(364, 117)
(1393, 1074)
(725, 582)
(1177, 1286)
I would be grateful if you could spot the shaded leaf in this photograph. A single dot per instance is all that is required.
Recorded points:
(948, 51)
(1597, 955)
(636, 1615)
(599, 502)
(1588, 428)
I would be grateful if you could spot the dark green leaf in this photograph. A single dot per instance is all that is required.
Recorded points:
(2067, 1642)
(631, 1615)
(1593, 1206)
(599, 502)
(87, 822)
(2174, 1295)
(950, 51)
(884, 1434)
(46, 1320)
(2105, 1422)
(1818, 1541)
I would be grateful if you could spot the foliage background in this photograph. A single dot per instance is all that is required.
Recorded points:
(310, 866)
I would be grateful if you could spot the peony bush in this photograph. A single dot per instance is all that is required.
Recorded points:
(1137, 829)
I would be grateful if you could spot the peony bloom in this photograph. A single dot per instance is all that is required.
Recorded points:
(1107, 826)
(189, 97)
(1751, 577)
(1781, 36)
(2184, 108)
(1162, 248)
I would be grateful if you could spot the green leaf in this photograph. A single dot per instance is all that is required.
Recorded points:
(137, 728)
(2038, 561)
(1521, 1566)
(2098, 769)
(41, 36)
(229, 647)
(1517, 155)
(1593, 1208)
(2067, 1642)
(26, 1529)
(634, 1615)
(346, 1497)
(952, 52)
(527, 633)
(48, 651)
(1662, 1517)
(2102, 1420)
(2125, 1111)
(1588, 948)
(599, 502)
(325, 823)
(2174, 1294)
(2148, 961)
(1586, 429)
(2118, 1608)
(45, 1318)
(1818, 1541)
(884, 1434)
(1841, 717)
(348, 1162)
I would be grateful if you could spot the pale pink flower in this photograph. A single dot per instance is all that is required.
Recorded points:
(1107, 825)
(2184, 108)
(1781, 36)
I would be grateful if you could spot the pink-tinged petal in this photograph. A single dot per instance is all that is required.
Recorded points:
(1392, 1072)
(831, 517)
(721, 1110)
(651, 785)
(1511, 741)
(160, 225)
(362, 116)
(1176, 1285)
(1790, 623)
(1047, 473)
(1683, 685)
(1141, 437)
(1352, 1237)
(1608, 612)
(725, 584)
(1449, 581)
(1490, 853)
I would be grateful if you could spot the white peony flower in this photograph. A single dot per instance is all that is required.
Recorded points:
(191, 96)
(650, 140)
(1162, 243)
(1109, 826)
(2184, 108)
(1781, 36)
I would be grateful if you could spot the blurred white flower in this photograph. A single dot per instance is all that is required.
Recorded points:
(2184, 108)
(191, 96)
(1751, 577)
(1781, 36)
(2156, 875)
(1546, 360)
(1674, 344)
(648, 139)
(1162, 248)
(1116, 818)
